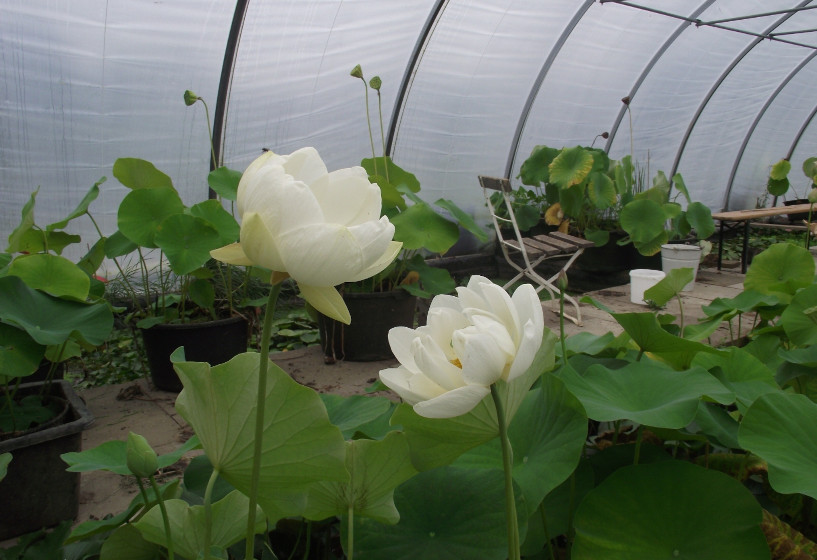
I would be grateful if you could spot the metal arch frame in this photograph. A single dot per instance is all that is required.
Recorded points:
(225, 84)
(540, 78)
(648, 68)
(411, 71)
(708, 97)
(799, 135)
(760, 114)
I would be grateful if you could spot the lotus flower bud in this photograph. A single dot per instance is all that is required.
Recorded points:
(142, 460)
(561, 281)
(190, 98)
(375, 83)
(626, 100)
(357, 72)
(812, 195)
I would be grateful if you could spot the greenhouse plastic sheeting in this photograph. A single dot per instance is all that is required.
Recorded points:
(469, 88)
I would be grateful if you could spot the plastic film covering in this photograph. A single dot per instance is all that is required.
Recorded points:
(469, 88)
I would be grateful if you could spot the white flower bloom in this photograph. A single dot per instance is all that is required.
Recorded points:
(469, 342)
(322, 229)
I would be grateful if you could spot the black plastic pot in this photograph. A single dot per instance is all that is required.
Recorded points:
(798, 217)
(366, 339)
(214, 342)
(37, 491)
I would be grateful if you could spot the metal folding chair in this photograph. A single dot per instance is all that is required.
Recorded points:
(531, 250)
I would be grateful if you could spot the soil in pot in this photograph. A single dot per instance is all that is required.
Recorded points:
(37, 491)
(366, 339)
(214, 342)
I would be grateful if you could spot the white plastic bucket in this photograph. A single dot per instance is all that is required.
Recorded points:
(681, 256)
(641, 280)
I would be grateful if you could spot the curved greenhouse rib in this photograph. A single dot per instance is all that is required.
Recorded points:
(799, 135)
(748, 136)
(534, 91)
(647, 69)
(225, 83)
(708, 97)
(411, 70)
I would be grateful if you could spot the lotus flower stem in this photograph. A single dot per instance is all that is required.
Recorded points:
(208, 513)
(507, 463)
(269, 312)
(545, 530)
(165, 518)
(350, 533)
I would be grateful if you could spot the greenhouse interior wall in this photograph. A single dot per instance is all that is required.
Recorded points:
(719, 90)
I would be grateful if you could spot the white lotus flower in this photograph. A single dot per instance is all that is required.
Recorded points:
(322, 229)
(469, 342)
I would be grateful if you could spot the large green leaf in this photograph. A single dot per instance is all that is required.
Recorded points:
(224, 182)
(224, 222)
(433, 280)
(117, 245)
(601, 190)
(799, 319)
(52, 274)
(112, 456)
(376, 468)
(126, 543)
(82, 207)
(669, 510)
(648, 334)
(188, 524)
(535, 169)
(25, 225)
(782, 269)
(644, 392)
(445, 513)
(137, 173)
(187, 241)
(571, 167)
(299, 447)
(435, 442)
(643, 219)
(142, 212)
(740, 372)
(669, 286)
(463, 219)
(420, 227)
(50, 320)
(350, 413)
(699, 217)
(20, 355)
(547, 436)
(779, 427)
(396, 175)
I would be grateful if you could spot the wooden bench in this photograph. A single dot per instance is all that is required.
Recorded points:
(746, 216)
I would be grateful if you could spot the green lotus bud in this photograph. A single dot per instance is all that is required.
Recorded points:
(357, 72)
(812, 196)
(142, 460)
(561, 281)
(375, 83)
(190, 98)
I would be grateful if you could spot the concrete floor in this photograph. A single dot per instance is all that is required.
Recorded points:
(119, 409)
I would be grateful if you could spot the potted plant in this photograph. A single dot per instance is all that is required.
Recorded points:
(389, 298)
(177, 294)
(50, 310)
(655, 221)
(779, 184)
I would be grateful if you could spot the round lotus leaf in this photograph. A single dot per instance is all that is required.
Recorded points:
(782, 269)
(142, 212)
(571, 167)
(669, 510)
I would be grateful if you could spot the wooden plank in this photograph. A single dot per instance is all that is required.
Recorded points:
(495, 183)
(744, 215)
(540, 247)
(577, 241)
(561, 246)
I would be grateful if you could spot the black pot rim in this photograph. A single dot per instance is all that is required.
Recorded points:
(196, 325)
